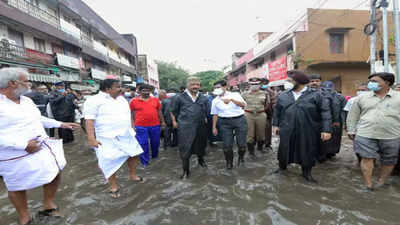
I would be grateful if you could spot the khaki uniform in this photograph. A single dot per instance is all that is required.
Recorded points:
(256, 116)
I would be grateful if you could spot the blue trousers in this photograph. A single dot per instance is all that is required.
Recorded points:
(143, 135)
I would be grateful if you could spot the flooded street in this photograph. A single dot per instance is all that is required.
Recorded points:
(215, 196)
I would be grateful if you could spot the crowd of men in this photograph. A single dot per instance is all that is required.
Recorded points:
(125, 126)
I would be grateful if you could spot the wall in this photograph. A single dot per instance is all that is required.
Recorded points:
(3, 31)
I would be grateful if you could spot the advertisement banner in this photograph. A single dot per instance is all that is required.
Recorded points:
(277, 69)
(68, 61)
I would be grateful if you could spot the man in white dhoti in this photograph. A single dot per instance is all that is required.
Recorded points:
(110, 133)
(28, 159)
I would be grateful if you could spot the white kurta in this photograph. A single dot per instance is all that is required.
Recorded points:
(113, 129)
(20, 123)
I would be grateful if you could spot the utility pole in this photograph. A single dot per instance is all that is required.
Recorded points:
(384, 4)
(373, 37)
(397, 36)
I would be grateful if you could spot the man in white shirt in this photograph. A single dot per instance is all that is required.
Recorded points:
(28, 159)
(227, 108)
(110, 133)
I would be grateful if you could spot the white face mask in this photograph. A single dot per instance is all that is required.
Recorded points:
(171, 95)
(288, 86)
(218, 92)
(255, 87)
(127, 94)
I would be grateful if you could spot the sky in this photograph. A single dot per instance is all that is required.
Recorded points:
(202, 35)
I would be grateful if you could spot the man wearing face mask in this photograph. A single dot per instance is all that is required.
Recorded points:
(256, 117)
(374, 125)
(63, 109)
(302, 118)
(271, 97)
(148, 119)
(227, 110)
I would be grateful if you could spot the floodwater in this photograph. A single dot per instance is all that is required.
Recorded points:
(215, 196)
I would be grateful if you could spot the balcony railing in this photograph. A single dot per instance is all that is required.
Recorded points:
(35, 11)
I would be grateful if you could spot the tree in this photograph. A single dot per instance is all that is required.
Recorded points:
(208, 78)
(171, 75)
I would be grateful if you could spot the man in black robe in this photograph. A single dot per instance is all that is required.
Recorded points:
(299, 116)
(189, 115)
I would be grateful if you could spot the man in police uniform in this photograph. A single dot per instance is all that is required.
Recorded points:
(256, 116)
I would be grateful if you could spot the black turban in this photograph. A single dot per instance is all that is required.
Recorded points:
(299, 77)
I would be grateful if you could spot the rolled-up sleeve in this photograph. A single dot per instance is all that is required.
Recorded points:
(353, 117)
(90, 109)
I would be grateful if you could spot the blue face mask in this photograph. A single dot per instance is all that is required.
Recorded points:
(264, 87)
(61, 90)
(373, 86)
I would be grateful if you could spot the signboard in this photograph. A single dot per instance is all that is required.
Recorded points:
(127, 78)
(98, 74)
(277, 69)
(68, 61)
(36, 56)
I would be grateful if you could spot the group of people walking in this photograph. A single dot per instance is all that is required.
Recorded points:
(123, 126)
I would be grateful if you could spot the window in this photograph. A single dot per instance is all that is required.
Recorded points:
(289, 47)
(39, 44)
(16, 36)
(336, 43)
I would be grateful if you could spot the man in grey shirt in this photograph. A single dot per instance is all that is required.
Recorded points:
(374, 125)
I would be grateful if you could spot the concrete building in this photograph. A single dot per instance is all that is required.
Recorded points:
(64, 40)
(330, 42)
(148, 71)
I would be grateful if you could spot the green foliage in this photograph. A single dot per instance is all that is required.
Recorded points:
(171, 75)
(208, 78)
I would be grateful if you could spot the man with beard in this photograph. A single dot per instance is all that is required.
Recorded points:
(328, 149)
(28, 158)
(256, 116)
(110, 133)
(374, 125)
(189, 115)
(63, 109)
(298, 116)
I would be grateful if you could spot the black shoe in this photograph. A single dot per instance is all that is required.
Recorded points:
(242, 152)
(229, 158)
(250, 147)
(202, 163)
(260, 147)
(185, 175)
(307, 175)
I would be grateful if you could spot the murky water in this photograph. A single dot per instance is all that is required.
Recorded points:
(215, 196)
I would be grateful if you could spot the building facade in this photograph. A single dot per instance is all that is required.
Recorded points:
(61, 40)
(148, 71)
(329, 42)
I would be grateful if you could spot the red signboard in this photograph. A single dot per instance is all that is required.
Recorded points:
(36, 56)
(277, 69)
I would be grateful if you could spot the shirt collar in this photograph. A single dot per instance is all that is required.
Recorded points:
(105, 95)
(302, 91)
(188, 92)
(390, 93)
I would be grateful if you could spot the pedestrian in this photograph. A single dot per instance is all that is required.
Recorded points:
(256, 116)
(211, 138)
(334, 144)
(374, 125)
(28, 158)
(189, 116)
(147, 117)
(227, 110)
(301, 118)
(63, 109)
(39, 97)
(271, 97)
(110, 133)
(130, 93)
(328, 149)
